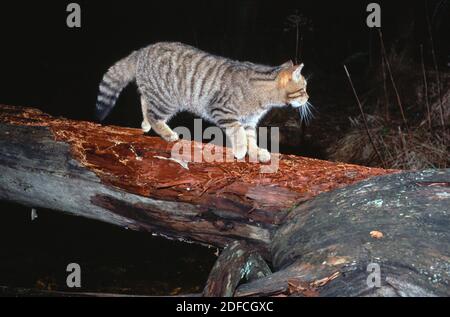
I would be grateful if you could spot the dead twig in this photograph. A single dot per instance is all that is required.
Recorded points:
(399, 101)
(364, 118)
(436, 68)
(386, 98)
(425, 87)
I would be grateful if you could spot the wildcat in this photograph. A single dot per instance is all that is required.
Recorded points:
(173, 77)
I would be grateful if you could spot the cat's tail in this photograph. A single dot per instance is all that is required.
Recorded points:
(115, 79)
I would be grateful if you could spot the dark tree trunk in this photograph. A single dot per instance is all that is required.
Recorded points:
(237, 262)
(400, 222)
(317, 245)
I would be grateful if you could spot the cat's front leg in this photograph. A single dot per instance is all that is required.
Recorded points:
(236, 133)
(255, 152)
(156, 121)
(165, 131)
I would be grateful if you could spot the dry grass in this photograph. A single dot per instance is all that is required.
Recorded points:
(423, 146)
(419, 149)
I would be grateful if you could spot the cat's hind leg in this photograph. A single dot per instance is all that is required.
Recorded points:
(236, 133)
(161, 127)
(157, 120)
(146, 127)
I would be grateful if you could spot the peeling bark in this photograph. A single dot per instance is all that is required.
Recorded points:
(117, 175)
(311, 220)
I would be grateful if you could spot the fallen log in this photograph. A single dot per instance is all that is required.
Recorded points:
(236, 262)
(333, 244)
(118, 175)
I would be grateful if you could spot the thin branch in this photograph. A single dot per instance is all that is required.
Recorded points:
(399, 102)
(364, 118)
(300, 49)
(436, 67)
(296, 42)
(425, 87)
(386, 98)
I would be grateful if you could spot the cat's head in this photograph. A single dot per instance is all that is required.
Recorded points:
(293, 85)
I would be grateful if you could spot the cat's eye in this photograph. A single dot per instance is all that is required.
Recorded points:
(297, 93)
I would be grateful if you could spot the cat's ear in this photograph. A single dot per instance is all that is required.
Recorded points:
(297, 73)
(288, 64)
(284, 77)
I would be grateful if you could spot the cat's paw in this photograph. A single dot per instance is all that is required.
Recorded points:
(240, 151)
(263, 155)
(253, 155)
(172, 137)
(146, 127)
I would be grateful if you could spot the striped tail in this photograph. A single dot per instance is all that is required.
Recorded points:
(115, 79)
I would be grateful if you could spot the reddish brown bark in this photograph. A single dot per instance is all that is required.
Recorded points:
(131, 161)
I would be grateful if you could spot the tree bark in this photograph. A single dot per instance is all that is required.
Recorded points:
(311, 219)
(236, 262)
(399, 222)
(121, 176)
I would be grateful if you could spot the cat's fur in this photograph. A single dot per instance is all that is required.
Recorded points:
(172, 77)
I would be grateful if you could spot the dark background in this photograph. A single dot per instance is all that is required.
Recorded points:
(57, 69)
(47, 65)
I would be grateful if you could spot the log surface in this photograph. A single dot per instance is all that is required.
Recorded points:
(121, 176)
(236, 263)
(319, 224)
(399, 222)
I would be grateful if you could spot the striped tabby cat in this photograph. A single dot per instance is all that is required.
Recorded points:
(234, 95)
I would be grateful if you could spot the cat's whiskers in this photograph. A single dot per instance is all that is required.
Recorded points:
(306, 115)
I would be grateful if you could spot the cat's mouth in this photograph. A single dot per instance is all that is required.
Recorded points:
(298, 104)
